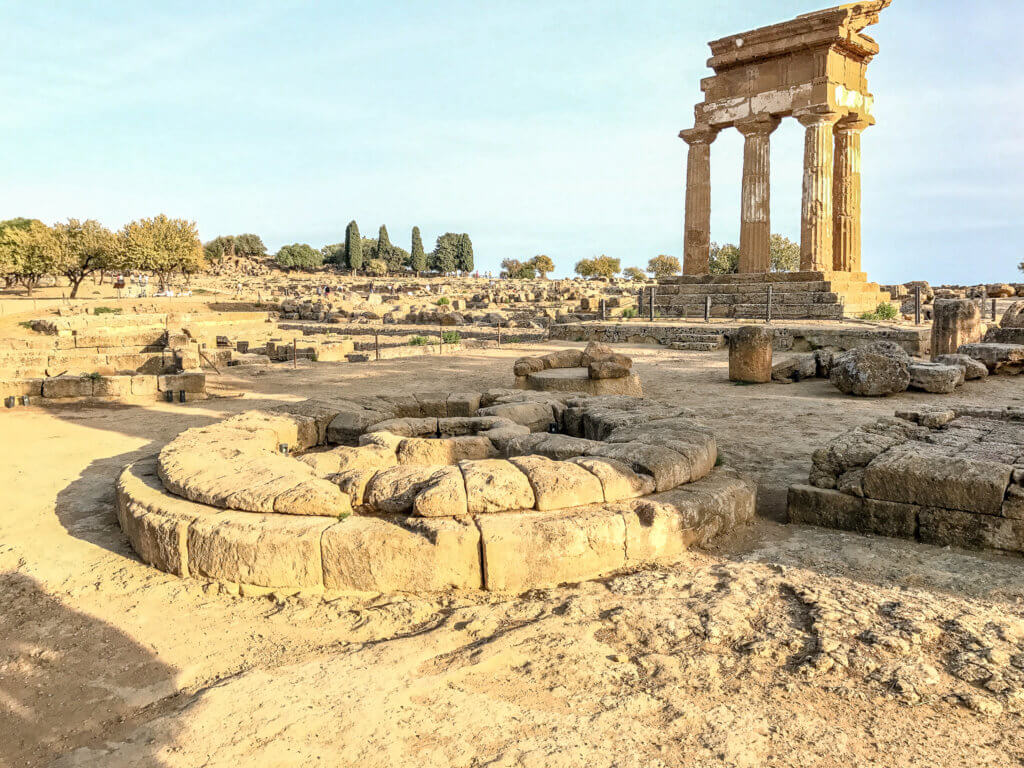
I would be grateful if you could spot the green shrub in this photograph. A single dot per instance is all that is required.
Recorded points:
(884, 311)
(513, 340)
(450, 337)
(26, 324)
(418, 341)
(444, 301)
(629, 312)
(107, 311)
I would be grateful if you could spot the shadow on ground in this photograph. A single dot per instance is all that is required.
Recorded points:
(66, 678)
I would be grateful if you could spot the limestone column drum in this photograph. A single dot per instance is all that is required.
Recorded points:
(816, 209)
(846, 195)
(697, 246)
(755, 207)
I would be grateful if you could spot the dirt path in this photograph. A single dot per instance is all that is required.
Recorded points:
(785, 646)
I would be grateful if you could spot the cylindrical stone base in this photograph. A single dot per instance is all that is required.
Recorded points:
(750, 354)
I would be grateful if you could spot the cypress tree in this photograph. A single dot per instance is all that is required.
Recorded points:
(446, 253)
(418, 259)
(383, 244)
(353, 247)
(465, 253)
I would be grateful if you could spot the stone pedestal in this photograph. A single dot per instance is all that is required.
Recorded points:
(755, 206)
(816, 211)
(750, 354)
(954, 322)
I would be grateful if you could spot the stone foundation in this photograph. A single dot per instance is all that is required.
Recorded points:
(945, 477)
(795, 295)
(442, 491)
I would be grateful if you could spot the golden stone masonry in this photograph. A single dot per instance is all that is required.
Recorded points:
(813, 68)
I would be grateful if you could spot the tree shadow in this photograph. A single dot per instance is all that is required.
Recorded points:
(67, 679)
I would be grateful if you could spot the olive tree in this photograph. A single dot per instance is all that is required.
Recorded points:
(84, 247)
(163, 246)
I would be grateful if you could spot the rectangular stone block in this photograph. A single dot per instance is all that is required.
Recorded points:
(955, 528)
(543, 549)
(251, 548)
(67, 386)
(19, 387)
(114, 387)
(143, 385)
(832, 509)
(385, 554)
(192, 382)
(950, 482)
(463, 403)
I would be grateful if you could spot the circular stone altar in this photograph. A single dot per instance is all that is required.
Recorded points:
(506, 490)
(579, 380)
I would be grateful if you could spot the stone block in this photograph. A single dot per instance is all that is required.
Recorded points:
(833, 509)
(113, 387)
(496, 485)
(143, 384)
(433, 404)
(1004, 359)
(263, 550)
(559, 484)
(190, 381)
(936, 377)
(954, 322)
(463, 404)
(20, 387)
(951, 482)
(373, 554)
(956, 528)
(67, 386)
(544, 549)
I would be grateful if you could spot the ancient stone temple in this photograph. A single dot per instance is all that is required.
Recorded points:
(813, 69)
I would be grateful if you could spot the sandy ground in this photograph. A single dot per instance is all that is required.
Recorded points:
(784, 646)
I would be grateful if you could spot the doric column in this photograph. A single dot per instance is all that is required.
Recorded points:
(816, 212)
(697, 234)
(846, 195)
(755, 206)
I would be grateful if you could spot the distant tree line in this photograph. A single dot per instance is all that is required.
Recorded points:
(30, 250)
(453, 252)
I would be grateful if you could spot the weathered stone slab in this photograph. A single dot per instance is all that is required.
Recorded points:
(496, 485)
(832, 509)
(67, 386)
(192, 382)
(543, 549)
(559, 484)
(618, 481)
(951, 482)
(1003, 359)
(403, 555)
(263, 550)
(956, 528)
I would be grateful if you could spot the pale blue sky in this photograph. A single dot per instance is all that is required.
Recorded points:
(538, 127)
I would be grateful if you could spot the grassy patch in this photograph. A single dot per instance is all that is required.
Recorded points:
(419, 341)
(106, 311)
(630, 312)
(444, 301)
(450, 337)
